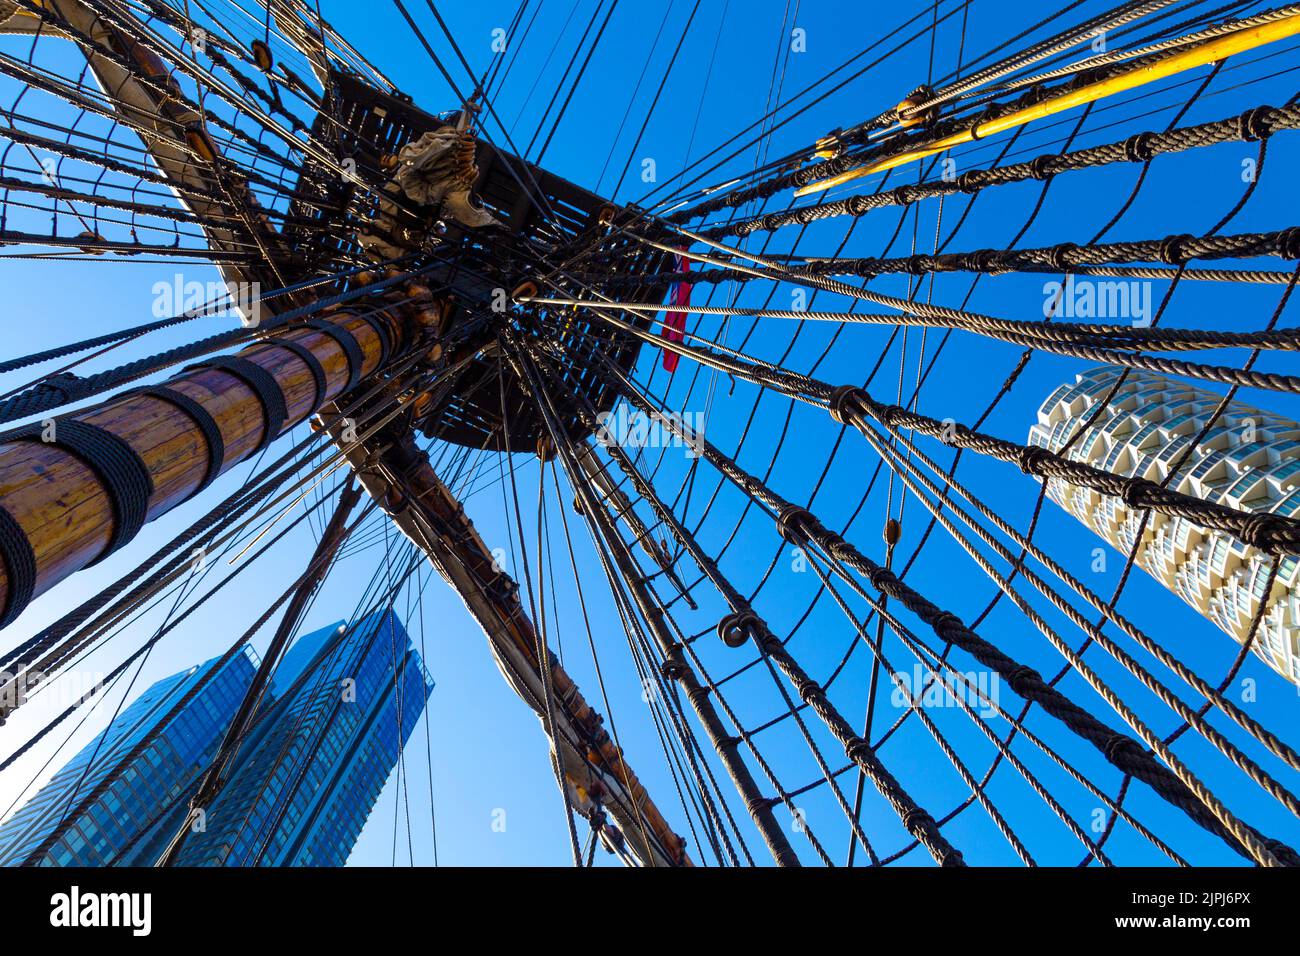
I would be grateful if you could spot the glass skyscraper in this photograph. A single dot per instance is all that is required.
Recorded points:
(341, 705)
(344, 703)
(1249, 460)
(135, 818)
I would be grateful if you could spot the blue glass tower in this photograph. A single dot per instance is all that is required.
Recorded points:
(344, 702)
(341, 706)
(133, 820)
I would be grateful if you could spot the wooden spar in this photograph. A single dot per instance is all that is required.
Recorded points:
(401, 479)
(174, 135)
(63, 508)
(1200, 55)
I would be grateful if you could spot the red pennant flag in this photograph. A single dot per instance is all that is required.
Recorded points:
(675, 322)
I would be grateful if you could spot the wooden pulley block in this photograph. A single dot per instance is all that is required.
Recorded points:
(892, 532)
(90, 237)
(198, 140)
(262, 56)
(914, 99)
(394, 499)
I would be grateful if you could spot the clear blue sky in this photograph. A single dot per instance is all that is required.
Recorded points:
(488, 751)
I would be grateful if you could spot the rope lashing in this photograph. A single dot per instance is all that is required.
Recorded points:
(126, 482)
(20, 567)
(116, 464)
(347, 342)
(207, 425)
(313, 365)
(264, 385)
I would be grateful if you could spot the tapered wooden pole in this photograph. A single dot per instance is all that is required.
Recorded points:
(404, 483)
(66, 490)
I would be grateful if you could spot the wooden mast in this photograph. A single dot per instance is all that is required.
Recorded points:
(75, 492)
(61, 505)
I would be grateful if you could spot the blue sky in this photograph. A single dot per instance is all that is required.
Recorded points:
(487, 749)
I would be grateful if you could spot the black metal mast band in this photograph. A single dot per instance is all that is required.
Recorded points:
(263, 383)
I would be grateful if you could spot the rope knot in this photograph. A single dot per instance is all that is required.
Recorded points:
(973, 181)
(806, 175)
(916, 265)
(914, 819)
(1173, 250)
(840, 401)
(982, 260)
(790, 524)
(1138, 148)
(1121, 747)
(1019, 679)
(736, 629)
(857, 750)
(809, 690)
(1269, 532)
(888, 414)
(1040, 166)
(1136, 492)
(1060, 255)
(1032, 458)
(945, 622)
(1288, 242)
(1256, 124)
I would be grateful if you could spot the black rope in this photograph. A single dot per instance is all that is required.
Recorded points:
(20, 567)
(126, 481)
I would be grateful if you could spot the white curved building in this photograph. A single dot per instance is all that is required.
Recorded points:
(1249, 460)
